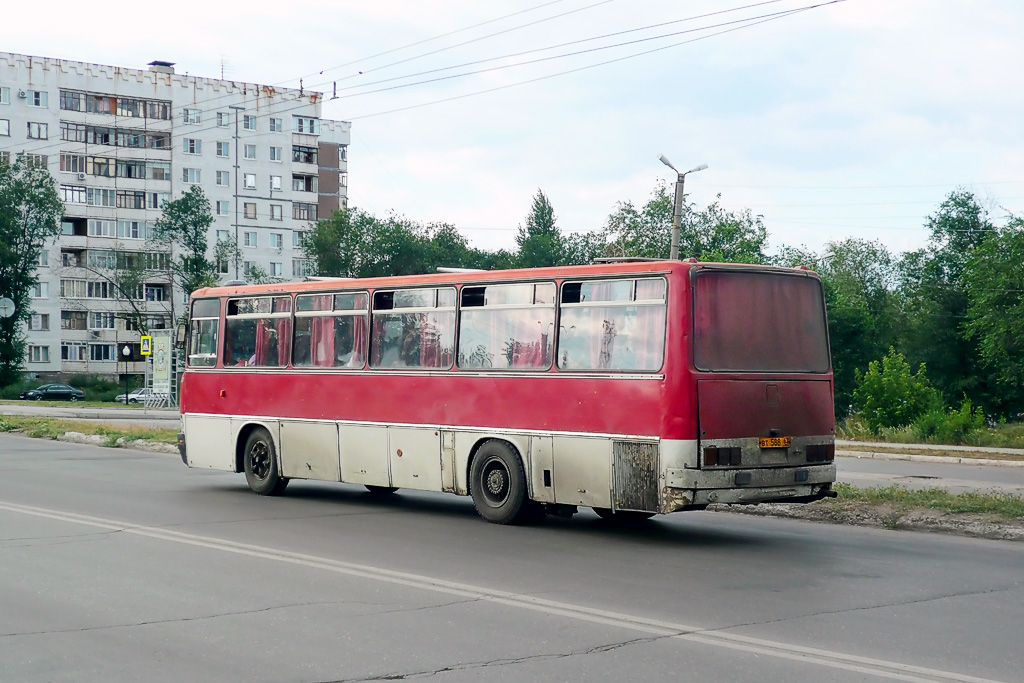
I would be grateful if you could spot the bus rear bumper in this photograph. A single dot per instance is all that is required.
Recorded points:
(688, 488)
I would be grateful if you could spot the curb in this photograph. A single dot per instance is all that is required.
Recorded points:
(944, 459)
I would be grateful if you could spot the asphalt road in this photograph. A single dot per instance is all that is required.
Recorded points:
(119, 565)
(955, 478)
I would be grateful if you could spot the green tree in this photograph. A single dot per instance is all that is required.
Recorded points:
(710, 234)
(888, 395)
(936, 298)
(994, 279)
(30, 214)
(184, 225)
(539, 240)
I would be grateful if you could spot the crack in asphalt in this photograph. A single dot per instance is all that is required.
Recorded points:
(157, 622)
(504, 661)
(850, 610)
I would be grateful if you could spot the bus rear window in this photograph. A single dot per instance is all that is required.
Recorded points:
(758, 322)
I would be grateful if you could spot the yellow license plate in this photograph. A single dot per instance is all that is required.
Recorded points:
(775, 442)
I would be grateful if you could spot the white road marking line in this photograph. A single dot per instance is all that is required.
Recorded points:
(836, 660)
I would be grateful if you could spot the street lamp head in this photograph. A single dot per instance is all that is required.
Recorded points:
(697, 168)
(126, 351)
(663, 159)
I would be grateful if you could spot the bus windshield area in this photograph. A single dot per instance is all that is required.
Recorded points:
(748, 321)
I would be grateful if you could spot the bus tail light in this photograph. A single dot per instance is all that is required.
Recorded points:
(825, 452)
(721, 457)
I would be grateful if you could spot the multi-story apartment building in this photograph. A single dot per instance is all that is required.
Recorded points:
(120, 143)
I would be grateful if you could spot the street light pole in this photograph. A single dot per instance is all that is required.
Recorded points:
(126, 351)
(237, 249)
(677, 204)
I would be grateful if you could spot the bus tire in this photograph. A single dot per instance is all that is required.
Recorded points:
(380, 490)
(260, 462)
(497, 485)
(623, 517)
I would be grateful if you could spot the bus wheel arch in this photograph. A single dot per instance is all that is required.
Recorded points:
(496, 478)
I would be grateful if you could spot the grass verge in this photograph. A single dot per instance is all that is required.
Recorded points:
(939, 500)
(53, 428)
(1008, 435)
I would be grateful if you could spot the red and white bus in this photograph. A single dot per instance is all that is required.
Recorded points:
(632, 388)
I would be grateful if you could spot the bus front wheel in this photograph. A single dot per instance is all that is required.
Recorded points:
(261, 465)
(497, 485)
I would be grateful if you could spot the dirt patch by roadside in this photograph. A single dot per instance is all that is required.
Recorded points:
(885, 516)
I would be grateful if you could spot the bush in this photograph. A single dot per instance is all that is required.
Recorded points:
(887, 395)
(952, 427)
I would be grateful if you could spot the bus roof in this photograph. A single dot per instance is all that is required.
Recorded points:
(513, 275)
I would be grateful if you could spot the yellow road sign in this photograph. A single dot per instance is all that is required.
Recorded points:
(146, 345)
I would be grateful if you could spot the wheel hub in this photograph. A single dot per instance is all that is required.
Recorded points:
(496, 482)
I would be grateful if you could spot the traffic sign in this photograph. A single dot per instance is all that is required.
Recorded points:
(146, 345)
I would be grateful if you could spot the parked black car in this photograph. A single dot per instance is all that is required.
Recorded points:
(53, 392)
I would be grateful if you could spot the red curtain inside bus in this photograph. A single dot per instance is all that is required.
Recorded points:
(759, 322)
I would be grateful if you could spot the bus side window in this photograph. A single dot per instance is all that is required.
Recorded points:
(614, 325)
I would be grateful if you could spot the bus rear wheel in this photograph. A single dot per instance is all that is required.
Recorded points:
(260, 462)
(624, 517)
(497, 485)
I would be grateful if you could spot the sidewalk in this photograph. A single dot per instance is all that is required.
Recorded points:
(904, 451)
(113, 413)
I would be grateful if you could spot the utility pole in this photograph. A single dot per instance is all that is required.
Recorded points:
(677, 205)
(237, 249)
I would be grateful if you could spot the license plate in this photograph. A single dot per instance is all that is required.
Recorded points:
(775, 442)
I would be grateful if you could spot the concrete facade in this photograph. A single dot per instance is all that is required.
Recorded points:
(121, 142)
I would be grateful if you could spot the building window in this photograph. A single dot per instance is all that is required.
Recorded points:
(157, 200)
(192, 146)
(5, 95)
(39, 322)
(38, 98)
(40, 290)
(306, 124)
(136, 230)
(276, 240)
(276, 125)
(38, 131)
(73, 194)
(74, 351)
(156, 293)
(248, 267)
(304, 183)
(343, 152)
(5, 127)
(249, 181)
(39, 354)
(250, 238)
(303, 155)
(300, 267)
(158, 170)
(73, 163)
(222, 208)
(249, 151)
(223, 178)
(303, 212)
(297, 237)
(72, 289)
(250, 212)
(192, 176)
(223, 119)
(275, 154)
(101, 321)
(98, 197)
(276, 212)
(275, 182)
(223, 149)
(192, 116)
(249, 122)
(276, 269)
(99, 290)
(44, 259)
(343, 179)
(102, 351)
(34, 160)
(72, 320)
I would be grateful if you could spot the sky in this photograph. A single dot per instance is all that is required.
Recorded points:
(850, 119)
